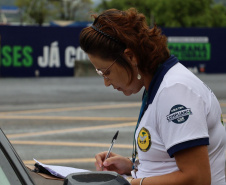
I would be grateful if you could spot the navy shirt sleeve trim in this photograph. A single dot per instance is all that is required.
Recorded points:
(188, 144)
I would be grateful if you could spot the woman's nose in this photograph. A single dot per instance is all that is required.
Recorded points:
(107, 82)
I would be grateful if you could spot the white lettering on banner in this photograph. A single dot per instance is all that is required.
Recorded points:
(43, 61)
(81, 55)
(188, 39)
(54, 59)
(70, 55)
(51, 56)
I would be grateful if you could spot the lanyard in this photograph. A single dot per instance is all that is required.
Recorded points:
(149, 95)
(142, 110)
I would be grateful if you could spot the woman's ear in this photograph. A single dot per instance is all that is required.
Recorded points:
(128, 53)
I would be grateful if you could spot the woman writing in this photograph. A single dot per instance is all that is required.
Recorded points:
(179, 137)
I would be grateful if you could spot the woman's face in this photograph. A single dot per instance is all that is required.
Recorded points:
(117, 76)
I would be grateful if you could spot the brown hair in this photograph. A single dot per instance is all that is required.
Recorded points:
(113, 31)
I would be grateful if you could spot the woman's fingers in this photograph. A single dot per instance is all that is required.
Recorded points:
(100, 157)
(98, 168)
(109, 161)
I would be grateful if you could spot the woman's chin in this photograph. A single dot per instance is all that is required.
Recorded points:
(127, 93)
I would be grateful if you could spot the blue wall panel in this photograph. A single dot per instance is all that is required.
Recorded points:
(43, 51)
(214, 38)
(51, 51)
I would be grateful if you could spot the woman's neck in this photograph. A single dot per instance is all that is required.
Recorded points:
(147, 81)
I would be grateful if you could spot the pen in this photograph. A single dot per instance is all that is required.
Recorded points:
(112, 143)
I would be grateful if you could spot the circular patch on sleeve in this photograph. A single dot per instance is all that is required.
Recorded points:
(179, 114)
(144, 140)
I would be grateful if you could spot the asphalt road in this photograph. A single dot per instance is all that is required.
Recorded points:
(66, 121)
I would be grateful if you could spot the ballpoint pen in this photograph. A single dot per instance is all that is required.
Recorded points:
(112, 143)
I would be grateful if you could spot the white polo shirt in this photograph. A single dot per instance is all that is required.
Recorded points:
(181, 112)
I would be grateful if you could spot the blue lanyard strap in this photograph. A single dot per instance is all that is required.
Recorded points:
(142, 109)
(148, 97)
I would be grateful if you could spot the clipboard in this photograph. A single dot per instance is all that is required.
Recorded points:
(46, 176)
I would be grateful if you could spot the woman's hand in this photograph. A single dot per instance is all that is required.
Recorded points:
(115, 162)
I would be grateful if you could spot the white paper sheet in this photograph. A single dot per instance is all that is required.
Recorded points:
(61, 171)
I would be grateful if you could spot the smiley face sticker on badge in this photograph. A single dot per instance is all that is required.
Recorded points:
(144, 140)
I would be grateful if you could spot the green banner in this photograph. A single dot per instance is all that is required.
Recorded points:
(191, 51)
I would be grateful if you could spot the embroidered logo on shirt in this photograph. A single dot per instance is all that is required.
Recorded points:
(179, 114)
(144, 140)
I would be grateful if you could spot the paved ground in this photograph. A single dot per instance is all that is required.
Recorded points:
(66, 121)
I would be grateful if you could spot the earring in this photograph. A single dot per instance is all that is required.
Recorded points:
(138, 75)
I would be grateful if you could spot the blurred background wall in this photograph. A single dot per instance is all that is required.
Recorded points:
(41, 37)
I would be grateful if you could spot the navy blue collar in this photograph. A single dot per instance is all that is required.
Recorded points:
(155, 83)
(158, 77)
(152, 90)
